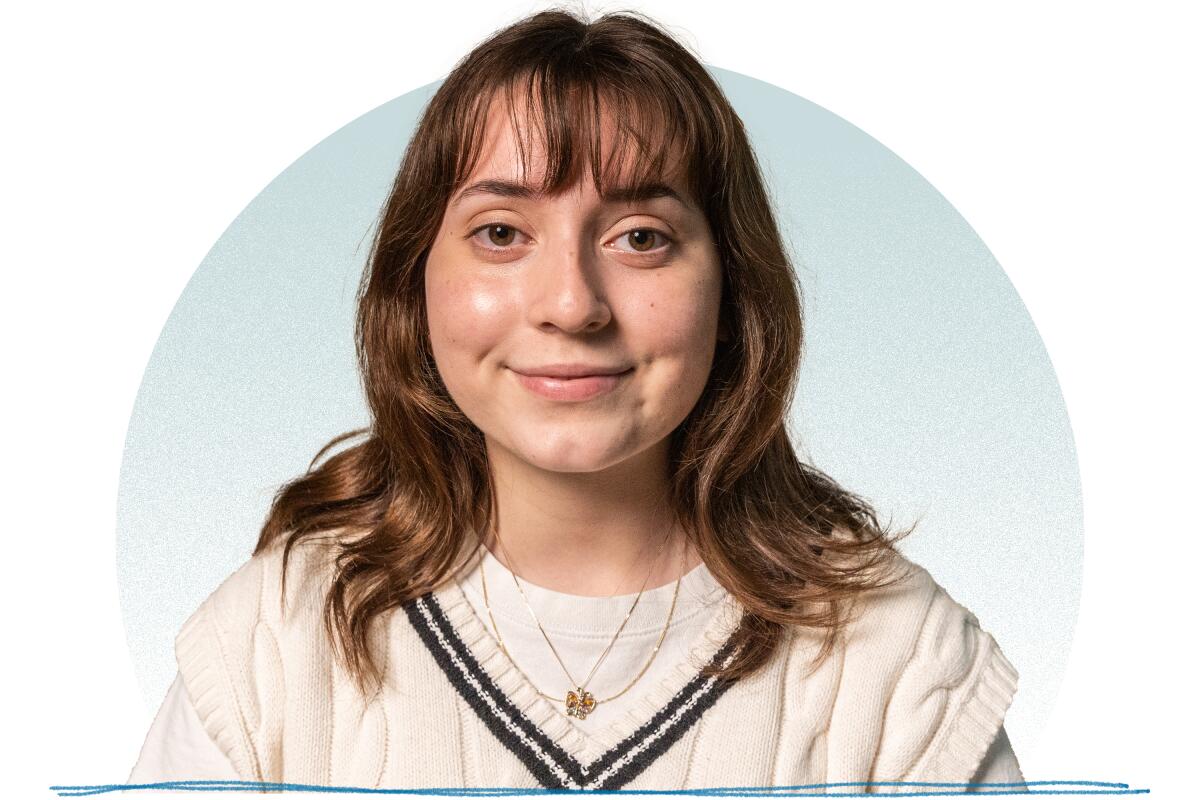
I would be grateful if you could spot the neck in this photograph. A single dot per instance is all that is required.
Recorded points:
(588, 533)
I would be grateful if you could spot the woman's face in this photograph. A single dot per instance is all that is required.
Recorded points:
(576, 331)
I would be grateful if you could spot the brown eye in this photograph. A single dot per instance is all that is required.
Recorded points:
(642, 240)
(501, 235)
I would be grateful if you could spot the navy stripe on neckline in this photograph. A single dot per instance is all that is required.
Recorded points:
(549, 763)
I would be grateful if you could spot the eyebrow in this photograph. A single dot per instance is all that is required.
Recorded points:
(611, 194)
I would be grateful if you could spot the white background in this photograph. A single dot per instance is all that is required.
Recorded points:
(1066, 135)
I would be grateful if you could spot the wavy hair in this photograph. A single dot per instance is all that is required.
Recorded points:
(415, 486)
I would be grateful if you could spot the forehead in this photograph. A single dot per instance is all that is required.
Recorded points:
(522, 142)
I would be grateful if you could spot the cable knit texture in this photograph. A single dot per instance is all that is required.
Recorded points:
(915, 691)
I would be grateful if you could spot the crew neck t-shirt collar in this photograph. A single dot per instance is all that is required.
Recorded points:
(586, 617)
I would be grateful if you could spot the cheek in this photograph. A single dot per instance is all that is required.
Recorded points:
(677, 327)
(466, 321)
(678, 320)
(460, 312)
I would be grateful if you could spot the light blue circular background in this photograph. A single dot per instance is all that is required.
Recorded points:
(925, 386)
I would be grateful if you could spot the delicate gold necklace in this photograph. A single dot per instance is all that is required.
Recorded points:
(579, 702)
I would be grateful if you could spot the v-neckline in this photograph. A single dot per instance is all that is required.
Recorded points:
(558, 752)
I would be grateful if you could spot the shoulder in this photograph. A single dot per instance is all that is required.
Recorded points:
(940, 681)
(232, 650)
(271, 589)
(890, 615)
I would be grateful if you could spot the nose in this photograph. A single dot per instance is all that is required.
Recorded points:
(564, 290)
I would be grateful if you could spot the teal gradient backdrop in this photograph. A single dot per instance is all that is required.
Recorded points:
(925, 385)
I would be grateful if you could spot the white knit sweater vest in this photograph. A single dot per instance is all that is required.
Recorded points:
(915, 691)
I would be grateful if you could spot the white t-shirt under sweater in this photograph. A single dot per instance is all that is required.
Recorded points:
(193, 737)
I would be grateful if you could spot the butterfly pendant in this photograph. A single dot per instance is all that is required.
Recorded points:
(580, 703)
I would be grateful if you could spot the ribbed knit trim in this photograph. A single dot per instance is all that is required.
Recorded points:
(556, 752)
(958, 751)
(208, 684)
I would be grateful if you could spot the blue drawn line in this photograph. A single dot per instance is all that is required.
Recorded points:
(804, 790)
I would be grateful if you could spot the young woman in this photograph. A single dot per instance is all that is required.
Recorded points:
(576, 547)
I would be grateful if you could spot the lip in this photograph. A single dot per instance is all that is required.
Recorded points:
(571, 382)
(574, 369)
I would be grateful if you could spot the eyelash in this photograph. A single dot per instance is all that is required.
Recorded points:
(667, 240)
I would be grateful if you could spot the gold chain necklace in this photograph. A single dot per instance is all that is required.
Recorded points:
(579, 702)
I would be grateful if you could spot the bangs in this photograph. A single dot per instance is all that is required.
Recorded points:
(628, 131)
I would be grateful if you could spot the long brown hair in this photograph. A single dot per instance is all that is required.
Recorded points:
(416, 488)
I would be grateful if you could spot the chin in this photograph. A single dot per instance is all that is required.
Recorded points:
(571, 452)
(576, 460)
